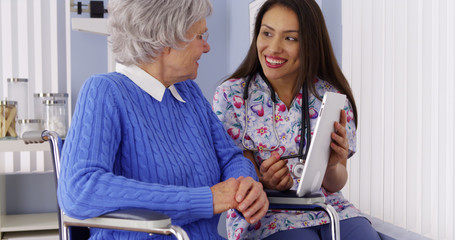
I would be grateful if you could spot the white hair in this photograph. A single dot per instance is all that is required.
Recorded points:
(141, 29)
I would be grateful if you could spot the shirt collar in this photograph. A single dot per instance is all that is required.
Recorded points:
(147, 82)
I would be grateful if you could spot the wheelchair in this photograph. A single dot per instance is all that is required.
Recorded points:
(138, 220)
(311, 203)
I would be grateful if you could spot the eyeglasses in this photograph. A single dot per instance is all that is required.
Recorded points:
(203, 36)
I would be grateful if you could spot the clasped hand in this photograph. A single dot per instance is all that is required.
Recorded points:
(244, 194)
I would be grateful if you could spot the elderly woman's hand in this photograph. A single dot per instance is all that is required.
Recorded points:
(224, 195)
(253, 202)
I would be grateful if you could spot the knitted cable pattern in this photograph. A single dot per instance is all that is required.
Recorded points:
(125, 149)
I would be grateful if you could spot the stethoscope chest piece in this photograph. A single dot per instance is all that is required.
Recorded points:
(297, 169)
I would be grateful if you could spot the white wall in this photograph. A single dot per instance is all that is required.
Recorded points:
(213, 65)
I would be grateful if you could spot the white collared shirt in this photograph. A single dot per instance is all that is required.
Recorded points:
(147, 82)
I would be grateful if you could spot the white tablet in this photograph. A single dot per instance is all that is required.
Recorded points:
(319, 152)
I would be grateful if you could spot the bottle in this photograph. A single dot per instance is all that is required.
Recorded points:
(18, 91)
(40, 97)
(55, 116)
(25, 125)
(8, 118)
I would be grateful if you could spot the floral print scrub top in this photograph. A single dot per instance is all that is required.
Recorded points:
(228, 104)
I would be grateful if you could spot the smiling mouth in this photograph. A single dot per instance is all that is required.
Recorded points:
(274, 62)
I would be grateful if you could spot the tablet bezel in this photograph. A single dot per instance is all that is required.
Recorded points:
(319, 151)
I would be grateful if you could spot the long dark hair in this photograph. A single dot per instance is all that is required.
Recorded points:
(316, 54)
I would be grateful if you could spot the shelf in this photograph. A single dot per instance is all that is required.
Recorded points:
(29, 222)
(91, 25)
(19, 146)
(32, 235)
(28, 172)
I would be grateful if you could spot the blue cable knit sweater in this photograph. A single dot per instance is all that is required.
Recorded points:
(125, 149)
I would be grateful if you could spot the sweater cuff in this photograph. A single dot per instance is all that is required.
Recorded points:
(201, 202)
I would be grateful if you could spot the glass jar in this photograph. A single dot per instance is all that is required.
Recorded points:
(8, 118)
(26, 125)
(40, 97)
(18, 91)
(55, 116)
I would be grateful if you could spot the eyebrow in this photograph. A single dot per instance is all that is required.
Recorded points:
(287, 31)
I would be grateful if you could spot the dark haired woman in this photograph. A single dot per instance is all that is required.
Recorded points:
(290, 62)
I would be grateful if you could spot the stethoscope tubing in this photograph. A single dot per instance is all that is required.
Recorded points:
(305, 119)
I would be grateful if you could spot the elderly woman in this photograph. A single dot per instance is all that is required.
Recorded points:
(145, 136)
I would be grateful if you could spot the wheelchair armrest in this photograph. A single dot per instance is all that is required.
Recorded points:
(137, 220)
(136, 214)
(287, 199)
(140, 220)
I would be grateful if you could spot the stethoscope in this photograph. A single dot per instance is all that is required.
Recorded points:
(297, 169)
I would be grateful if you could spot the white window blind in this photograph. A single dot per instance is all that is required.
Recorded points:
(399, 58)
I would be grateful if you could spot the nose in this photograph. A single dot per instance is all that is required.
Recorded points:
(206, 47)
(275, 44)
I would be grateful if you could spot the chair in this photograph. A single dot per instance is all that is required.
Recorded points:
(289, 201)
(139, 220)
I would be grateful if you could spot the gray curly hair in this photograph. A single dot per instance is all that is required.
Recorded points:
(141, 29)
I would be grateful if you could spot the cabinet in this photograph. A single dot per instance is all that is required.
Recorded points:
(22, 222)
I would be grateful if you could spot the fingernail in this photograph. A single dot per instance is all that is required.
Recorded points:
(242, 207)
(253, 220)
(238, 198)
(247, 214)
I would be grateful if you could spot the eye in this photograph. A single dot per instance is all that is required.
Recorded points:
(266, 34)
(292, 39)
(203, 36)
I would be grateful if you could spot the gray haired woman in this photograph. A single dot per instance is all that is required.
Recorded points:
(145, 136)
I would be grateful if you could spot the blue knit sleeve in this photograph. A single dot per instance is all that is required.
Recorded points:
(89, 185)
(230, 157)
